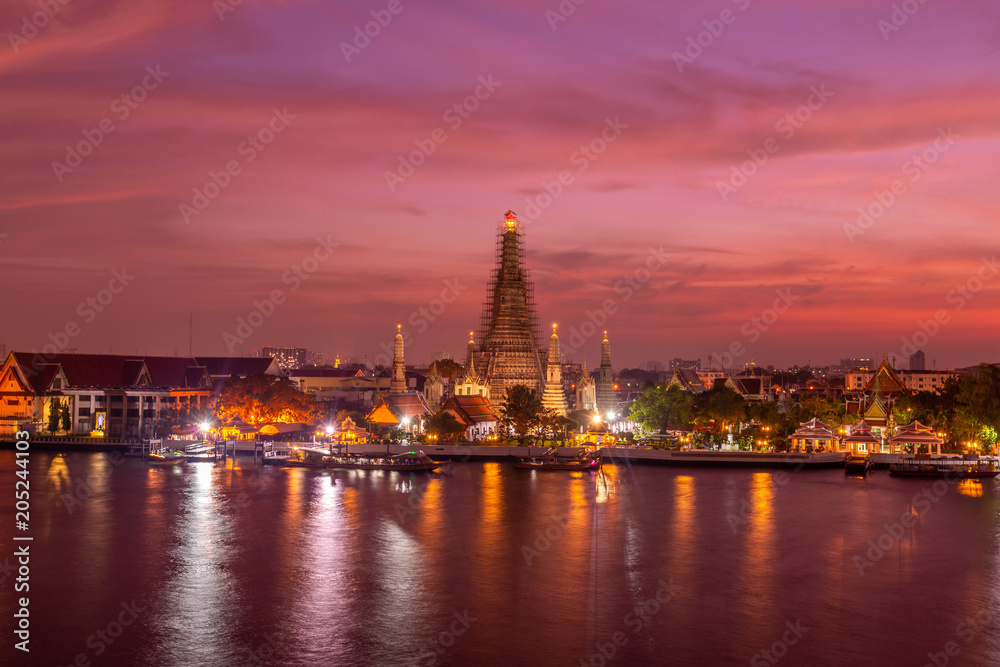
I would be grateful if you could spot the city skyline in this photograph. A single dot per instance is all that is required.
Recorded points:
(781, 184)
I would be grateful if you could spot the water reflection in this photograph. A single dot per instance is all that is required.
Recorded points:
(323, 562)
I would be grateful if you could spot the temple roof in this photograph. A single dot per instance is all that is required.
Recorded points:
(470, 409)
(884, 381)
(813, 428)
(916, 433)
(686, 379)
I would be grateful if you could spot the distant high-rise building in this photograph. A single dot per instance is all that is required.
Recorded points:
(509, 349)
(554, 398)
(286, 357)
(677, 362)
(918, 362)
(314, 358)
(654, 366)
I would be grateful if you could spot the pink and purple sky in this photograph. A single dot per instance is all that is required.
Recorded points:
(877, 101)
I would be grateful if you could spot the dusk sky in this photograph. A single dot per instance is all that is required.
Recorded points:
(742, 137)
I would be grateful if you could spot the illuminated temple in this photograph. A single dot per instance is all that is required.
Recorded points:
(508, 352)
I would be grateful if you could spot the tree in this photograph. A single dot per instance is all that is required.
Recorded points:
(445, 426)
(522, 411)
(564, 425)
(448, 368)
(65, 421)
(259, 399)
(659, 408)
(55, 410)
(719, 407)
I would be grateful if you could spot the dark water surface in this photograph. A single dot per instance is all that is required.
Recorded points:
(221, 565)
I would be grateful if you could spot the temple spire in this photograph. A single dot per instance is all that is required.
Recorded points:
(398, 383)
(554, 398)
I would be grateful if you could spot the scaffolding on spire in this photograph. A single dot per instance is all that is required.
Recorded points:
(508, 327)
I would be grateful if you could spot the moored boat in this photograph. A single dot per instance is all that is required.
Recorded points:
(858, 464)
(587, 459)
(307, 457)
(166, 458)
(964, 468)
(314, 457)
(415, 461)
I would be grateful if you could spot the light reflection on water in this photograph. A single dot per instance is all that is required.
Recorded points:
(364, 567)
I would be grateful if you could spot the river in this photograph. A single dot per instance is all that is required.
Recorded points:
(482, 564)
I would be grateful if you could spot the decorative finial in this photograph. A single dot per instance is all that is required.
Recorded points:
(554, 328)
(399, 329)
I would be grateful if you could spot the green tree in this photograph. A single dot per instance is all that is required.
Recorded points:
(55, 410)
(718, 408)
(445, 427)
(522, 411)
(659, 408)
(65, 421)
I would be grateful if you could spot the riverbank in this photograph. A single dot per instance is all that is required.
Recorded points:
(459, 453)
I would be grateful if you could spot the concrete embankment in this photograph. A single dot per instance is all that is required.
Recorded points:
(617, 455)
(621, 455)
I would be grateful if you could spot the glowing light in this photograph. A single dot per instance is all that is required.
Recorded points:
(329, 430)
(205, 426)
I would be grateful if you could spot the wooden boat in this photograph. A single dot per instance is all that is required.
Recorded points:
(587, 459)
(166, 458)
(306, 457)
(314, 457)
(408, 462)
(858, 464)
(964, 468)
